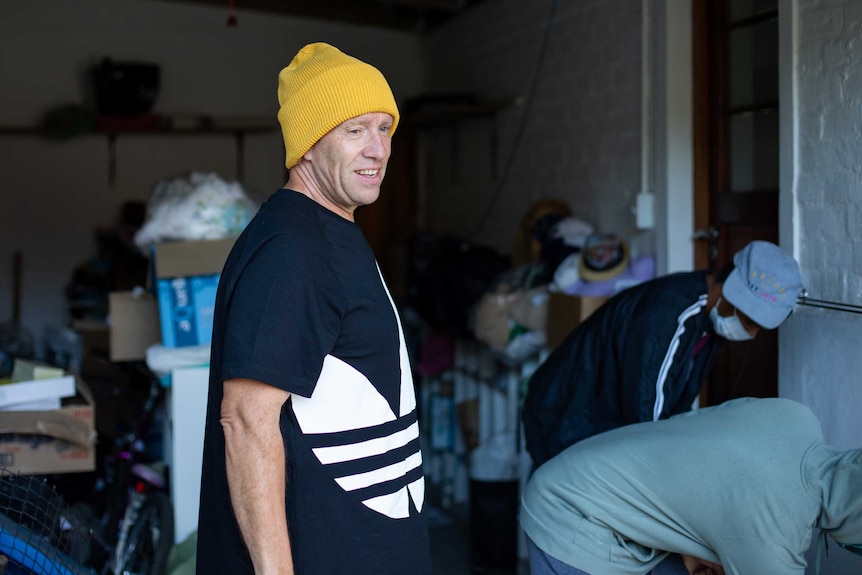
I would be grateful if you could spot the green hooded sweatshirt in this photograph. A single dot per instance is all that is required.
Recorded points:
(742, 484)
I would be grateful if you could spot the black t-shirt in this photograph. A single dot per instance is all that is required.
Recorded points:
(302, 306)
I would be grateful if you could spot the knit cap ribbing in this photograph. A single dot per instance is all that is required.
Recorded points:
(323, 87)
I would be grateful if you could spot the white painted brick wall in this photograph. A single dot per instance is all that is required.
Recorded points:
(582, 139)
(829, 189)
(820, 363)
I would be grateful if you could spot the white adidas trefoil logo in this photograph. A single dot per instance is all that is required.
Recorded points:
(345, 399)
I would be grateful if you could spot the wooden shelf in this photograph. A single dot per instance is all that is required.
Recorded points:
(158, 126)
(164, 131)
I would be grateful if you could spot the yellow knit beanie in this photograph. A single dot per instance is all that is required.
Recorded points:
(323, 87)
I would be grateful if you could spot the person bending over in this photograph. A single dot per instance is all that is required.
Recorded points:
(645, 354)
(740, 485)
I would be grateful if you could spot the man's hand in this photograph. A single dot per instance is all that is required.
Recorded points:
(696, 566)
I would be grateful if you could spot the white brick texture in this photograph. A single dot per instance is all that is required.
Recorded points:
(581, 142)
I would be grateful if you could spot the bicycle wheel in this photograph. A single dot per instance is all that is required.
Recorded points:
(39, 533)
(150, 538)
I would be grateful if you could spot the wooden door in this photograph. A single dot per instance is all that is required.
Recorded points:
(736, 164)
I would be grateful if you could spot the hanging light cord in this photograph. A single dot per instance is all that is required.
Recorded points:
(527, 105)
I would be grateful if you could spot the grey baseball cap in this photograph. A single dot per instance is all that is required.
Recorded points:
(764, 283)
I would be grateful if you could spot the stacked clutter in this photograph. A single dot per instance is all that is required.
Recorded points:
(191, 224)
(487, 328)
(555, 255)
(47, 421)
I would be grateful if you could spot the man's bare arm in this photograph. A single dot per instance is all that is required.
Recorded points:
(697, 566)
(254, 454)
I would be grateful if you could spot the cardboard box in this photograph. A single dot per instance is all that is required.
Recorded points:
(96, 349)
(187, 275)
(54, 441)
(186, 309)
(565, 312)
(134, 325)
(192, 258)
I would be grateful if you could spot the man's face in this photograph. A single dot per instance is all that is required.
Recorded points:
(349, 162)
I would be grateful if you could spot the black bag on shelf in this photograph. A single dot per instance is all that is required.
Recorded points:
(125, 88)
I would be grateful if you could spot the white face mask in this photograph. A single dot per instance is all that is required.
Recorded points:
(728, 327)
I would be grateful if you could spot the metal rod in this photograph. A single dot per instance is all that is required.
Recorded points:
(825, 304)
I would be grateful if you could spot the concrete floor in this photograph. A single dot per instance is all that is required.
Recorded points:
(450, 553)
(450, 547)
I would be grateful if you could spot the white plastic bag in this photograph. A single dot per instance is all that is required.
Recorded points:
(161, 360)
(199, 206)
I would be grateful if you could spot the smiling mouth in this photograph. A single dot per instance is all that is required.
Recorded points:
(368, 173)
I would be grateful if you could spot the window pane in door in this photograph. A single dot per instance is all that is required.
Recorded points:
(753, 64)
(739, 9)
(753, 151)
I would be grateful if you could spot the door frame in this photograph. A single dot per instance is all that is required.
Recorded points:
(701, 128)
(673, 135)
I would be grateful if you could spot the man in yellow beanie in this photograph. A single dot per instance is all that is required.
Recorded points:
(311, 455)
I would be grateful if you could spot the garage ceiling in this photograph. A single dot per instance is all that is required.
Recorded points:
(407, 15)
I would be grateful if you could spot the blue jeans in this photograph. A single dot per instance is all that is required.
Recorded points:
(543, 564)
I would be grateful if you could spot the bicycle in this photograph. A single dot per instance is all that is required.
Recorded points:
(130, 512)
(126, 527)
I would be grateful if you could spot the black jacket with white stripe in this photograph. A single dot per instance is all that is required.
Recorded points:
(642, 356)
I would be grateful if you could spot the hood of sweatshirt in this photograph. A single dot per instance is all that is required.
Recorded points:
(839, 479)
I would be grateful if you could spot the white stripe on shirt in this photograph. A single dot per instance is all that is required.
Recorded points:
(667, 362)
